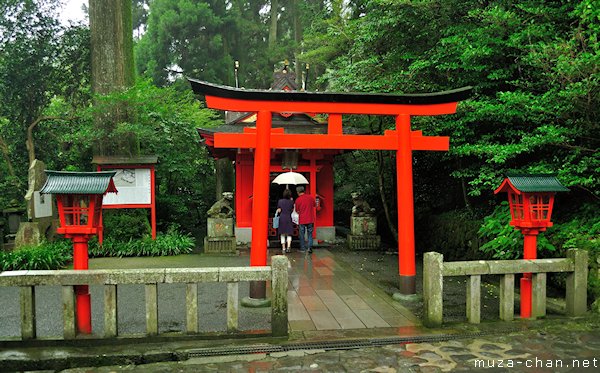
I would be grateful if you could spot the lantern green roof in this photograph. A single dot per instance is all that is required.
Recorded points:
(529, 183)
(66, 182)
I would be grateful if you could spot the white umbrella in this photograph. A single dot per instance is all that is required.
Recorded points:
(291, 177)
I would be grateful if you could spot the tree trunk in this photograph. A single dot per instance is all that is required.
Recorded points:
(463, 185)
(112, 70)
(298, 38)
(29, 143)
(273, 27)
(383, 194)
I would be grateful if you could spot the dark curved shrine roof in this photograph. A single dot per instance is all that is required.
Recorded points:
(210, 89)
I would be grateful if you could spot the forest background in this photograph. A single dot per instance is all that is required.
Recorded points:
(534, 66)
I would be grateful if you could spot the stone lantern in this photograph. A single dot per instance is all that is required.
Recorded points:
(531, 198)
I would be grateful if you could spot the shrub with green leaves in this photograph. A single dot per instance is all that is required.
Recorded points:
(48, 255)
(503, 241)
(125, 225)
(581, 230)
(172, 242)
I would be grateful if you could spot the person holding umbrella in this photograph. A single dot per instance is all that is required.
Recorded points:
(287, 178)
(305, 206)
(285, 206)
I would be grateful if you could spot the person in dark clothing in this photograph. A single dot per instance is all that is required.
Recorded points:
(305, 207)
(285, 206)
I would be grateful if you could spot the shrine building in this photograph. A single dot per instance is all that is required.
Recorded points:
(315, 164)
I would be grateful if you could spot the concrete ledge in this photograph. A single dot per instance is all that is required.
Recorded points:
(134, 276)
(499, 267)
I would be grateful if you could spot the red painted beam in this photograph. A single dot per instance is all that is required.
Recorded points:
(232, 104)
(334, 126)
(312, 141)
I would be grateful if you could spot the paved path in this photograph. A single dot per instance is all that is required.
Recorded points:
(324, 295)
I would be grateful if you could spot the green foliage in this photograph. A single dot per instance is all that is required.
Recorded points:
(165, 123)
(170, 243)
(40, 60)
(533, 66)
(581, 230)
(126, 225)
(48, 255)
(503, 240)
(203, 38)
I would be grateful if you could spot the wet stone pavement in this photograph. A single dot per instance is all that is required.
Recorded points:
(558, 345)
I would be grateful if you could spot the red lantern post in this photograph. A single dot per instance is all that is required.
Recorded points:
(531, 198)
(79, 199)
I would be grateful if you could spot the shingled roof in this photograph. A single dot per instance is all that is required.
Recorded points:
(66, 182)
(531, 183)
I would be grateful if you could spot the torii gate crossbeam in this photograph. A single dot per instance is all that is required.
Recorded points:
(263, 138)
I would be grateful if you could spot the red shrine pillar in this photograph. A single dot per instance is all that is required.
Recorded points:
(260, 200)
(82, 294)
(529, 252)
(406, 223)
(313, 190)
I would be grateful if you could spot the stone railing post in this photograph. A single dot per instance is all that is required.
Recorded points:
(191, 308)
(27, 312)
(507, 297)
(433, 286)
(279, 304)
(110, 311)
(577, 283)
(233, 308)
(151, 309)
(68, 302)
(538, 293)
(474, 299)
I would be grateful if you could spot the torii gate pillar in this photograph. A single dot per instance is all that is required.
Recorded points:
(260, 201)
(406, 220)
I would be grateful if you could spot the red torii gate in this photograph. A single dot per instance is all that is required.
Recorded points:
(402, 139)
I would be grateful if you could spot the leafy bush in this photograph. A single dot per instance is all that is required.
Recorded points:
(126, 225)
(503, 240)
(48, 255)
(170, 243)
(582, 231)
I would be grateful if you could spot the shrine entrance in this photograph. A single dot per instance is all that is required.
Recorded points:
(264, 137)
(275, 194)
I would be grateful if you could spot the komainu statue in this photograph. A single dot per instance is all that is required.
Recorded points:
(222, 208)
(361, 207)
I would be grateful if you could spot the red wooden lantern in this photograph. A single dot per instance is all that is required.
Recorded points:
(79, 213)
(531, 198)
(79, 199)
